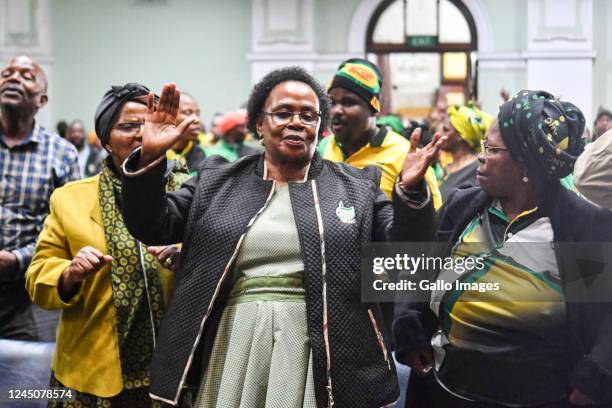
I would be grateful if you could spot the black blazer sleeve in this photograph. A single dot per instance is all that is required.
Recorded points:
(414, 323)
(592, 374)
(150, 214)
(396, 221)
(590, 323)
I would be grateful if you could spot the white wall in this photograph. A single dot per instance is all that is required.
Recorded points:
(199, 44)
(602, 67)
(216, 49)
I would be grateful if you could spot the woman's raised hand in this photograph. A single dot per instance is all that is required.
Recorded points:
(160, 128)
(418, 161)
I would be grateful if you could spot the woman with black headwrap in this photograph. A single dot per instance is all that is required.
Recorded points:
(528, 341)
(111, 291)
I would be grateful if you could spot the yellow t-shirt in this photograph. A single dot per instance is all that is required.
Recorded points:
(387, 150)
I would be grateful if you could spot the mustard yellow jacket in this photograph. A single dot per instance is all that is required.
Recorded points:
(87, 352)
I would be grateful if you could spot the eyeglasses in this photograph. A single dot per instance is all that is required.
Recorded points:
(486, 148)
(129, 129)
(282, 118)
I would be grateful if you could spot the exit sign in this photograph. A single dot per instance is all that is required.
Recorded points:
(422, 40)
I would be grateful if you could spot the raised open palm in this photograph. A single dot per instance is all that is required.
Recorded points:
(160, 128)
(418, 161)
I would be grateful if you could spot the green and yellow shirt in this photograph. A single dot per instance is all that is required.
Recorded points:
(508, 343)
(387, 150)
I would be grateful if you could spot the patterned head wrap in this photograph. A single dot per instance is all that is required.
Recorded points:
(471, 123)
(361, 77)
(542, 132)
(110, 107)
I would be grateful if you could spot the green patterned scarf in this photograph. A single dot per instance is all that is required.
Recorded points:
(135, 280)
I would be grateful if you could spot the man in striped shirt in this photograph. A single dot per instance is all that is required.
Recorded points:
(33, 162)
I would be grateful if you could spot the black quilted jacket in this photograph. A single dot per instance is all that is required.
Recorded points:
(211, 213)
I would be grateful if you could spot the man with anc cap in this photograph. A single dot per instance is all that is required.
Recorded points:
(356, 139)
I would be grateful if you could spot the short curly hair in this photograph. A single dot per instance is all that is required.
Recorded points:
(262, 89)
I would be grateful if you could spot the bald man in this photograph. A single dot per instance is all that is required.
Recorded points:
(90, 156)
(34, 162)
(187, 147)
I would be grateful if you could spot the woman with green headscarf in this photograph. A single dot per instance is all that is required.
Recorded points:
(541, 335)
(464, 127)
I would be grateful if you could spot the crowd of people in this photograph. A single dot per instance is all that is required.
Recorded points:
(222, 267)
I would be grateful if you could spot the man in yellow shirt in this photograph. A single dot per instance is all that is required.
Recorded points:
(356, 139)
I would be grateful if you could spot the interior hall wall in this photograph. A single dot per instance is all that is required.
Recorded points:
(198, 44)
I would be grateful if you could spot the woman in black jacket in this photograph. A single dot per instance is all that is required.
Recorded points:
(542, 338)
(267, 299)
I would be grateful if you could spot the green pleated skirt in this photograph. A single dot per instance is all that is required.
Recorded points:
(261, 354)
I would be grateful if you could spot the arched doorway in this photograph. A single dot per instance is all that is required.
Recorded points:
(426, 51)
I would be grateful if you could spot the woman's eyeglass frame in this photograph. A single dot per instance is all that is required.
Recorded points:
(284, 121)
(130, 129)
(485, 148)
